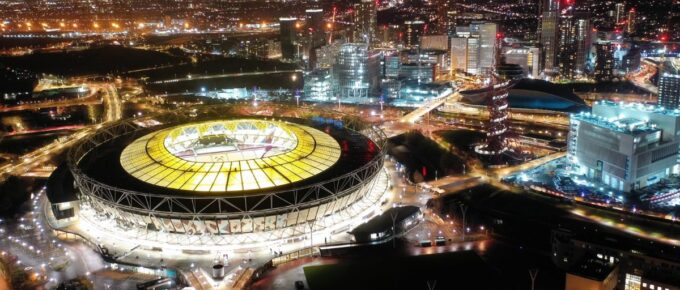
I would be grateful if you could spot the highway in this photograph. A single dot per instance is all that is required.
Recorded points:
(641, 78)
(217, 76)
(35, 158)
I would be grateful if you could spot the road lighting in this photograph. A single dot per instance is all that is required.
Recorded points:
(463, 209)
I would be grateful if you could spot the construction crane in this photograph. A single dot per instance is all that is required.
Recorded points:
(330, 37)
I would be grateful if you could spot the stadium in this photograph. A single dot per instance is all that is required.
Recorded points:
(211, 182)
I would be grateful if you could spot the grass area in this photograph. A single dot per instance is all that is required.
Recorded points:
(416, 151)
(461, 139)
(98, 60)
(458, 270)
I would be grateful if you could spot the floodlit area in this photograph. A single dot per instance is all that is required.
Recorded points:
(558, 178)
(312, 228)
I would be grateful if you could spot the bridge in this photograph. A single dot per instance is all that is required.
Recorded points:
(448, 95)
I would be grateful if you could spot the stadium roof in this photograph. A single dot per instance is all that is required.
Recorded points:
(230, 155)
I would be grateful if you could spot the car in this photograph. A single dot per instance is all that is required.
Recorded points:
(299, 285)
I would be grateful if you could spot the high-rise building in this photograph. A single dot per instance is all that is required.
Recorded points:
(486, 32)
(356, 71)
(669, 85)
(288, 38)
(472, 56)
(631, 21)
(413, 30)
(604, 63)
(459, 51)
(315, 27)
(365, 22)
(436, 42)
(548, 40)
(574, 45)
(625, 146)
(474, 49)
(548, 34)
(619, 12)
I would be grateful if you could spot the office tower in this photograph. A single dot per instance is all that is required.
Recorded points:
(474, 48)
(604, 64)
(548, 39)
(436, 42)
(413, 30)
(619, 12)
(625, 146)
(288, 38)
(365, 22)
(356, 71)
(486, 32)
(472, 56)
(631, 22)
(459, 49)
(669, 85)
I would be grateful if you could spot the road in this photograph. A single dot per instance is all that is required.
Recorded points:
(411, 117)
(35, 158)
(217, 76)
(641, 78)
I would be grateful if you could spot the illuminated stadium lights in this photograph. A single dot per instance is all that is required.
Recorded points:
(171, 187)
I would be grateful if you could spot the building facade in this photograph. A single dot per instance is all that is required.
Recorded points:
(625, 146)
(365, 22)
(669, 86)
(356, 71)
(288, 38)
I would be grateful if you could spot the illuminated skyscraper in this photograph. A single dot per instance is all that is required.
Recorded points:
(631, 22)
(413, 30)
(486, 32)
(356, 71)
(548, 34)
(619, 13)
(474, 50)
(288, 38)
(575, 43)
(604, 64)
(365, 22)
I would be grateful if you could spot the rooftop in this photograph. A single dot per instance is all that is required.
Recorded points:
(640, 107)
(594, 269)
(630, 126)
